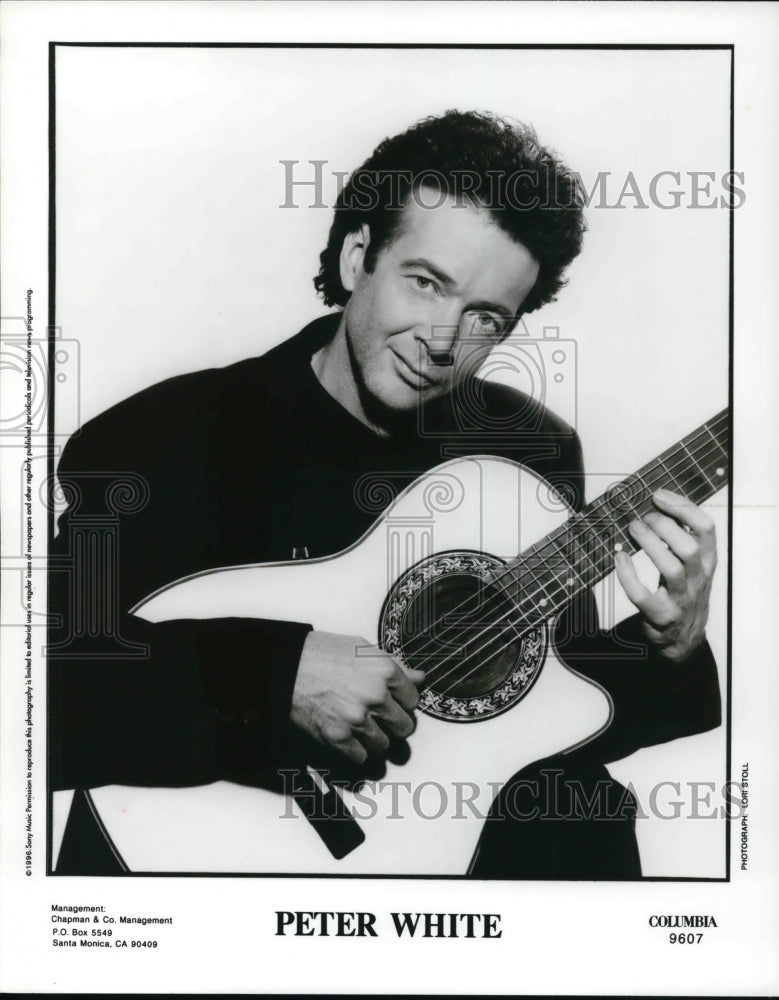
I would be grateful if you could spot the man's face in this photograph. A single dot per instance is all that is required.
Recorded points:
(441, 295)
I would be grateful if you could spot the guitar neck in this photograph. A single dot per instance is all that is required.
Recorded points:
(544, 579)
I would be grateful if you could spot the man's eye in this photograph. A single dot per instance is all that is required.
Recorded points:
(487, 323)
(422, 283)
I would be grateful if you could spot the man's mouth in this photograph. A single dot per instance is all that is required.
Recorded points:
(411, 375)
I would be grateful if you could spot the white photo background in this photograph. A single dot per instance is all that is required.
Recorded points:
(173, 253)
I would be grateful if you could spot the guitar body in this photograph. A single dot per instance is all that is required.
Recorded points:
(454, 528)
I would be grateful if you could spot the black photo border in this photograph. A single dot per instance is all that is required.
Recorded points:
(51, 452)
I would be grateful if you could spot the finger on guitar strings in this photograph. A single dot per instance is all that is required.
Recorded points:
(656, 607)
(682, 543)
(689, 515)
(671, 568)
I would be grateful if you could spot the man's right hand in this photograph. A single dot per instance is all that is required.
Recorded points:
(353, 697)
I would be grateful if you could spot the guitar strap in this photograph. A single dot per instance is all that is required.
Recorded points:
(327, 813)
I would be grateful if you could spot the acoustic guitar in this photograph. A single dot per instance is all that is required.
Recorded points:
(461, 576)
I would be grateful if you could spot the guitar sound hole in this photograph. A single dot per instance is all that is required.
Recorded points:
(456, 629)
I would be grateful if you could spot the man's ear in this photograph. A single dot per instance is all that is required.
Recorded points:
(353, 252)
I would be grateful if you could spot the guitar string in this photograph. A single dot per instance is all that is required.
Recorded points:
(512, 625)
(552, 543)
(516, 630)
(531, 597)
(592, 555)
(604, 546)
(496, 637)
(647, 486)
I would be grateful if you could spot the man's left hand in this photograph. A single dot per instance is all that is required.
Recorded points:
(679, 538)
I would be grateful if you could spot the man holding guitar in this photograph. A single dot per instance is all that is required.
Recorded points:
(441, 241)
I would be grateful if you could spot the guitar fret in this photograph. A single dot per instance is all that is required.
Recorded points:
(570, 572)
(697, 465)
(581, 553)
(671, 476)
(546, 598)
(580, 538)
(716, 442)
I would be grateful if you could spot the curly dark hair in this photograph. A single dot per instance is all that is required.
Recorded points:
(477, 156)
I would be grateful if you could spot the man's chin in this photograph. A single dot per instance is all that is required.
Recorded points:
(408, 400)
(395, 404)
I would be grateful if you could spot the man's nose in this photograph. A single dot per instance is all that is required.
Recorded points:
(439, 337)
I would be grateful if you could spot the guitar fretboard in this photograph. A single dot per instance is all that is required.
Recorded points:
(581, 553)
